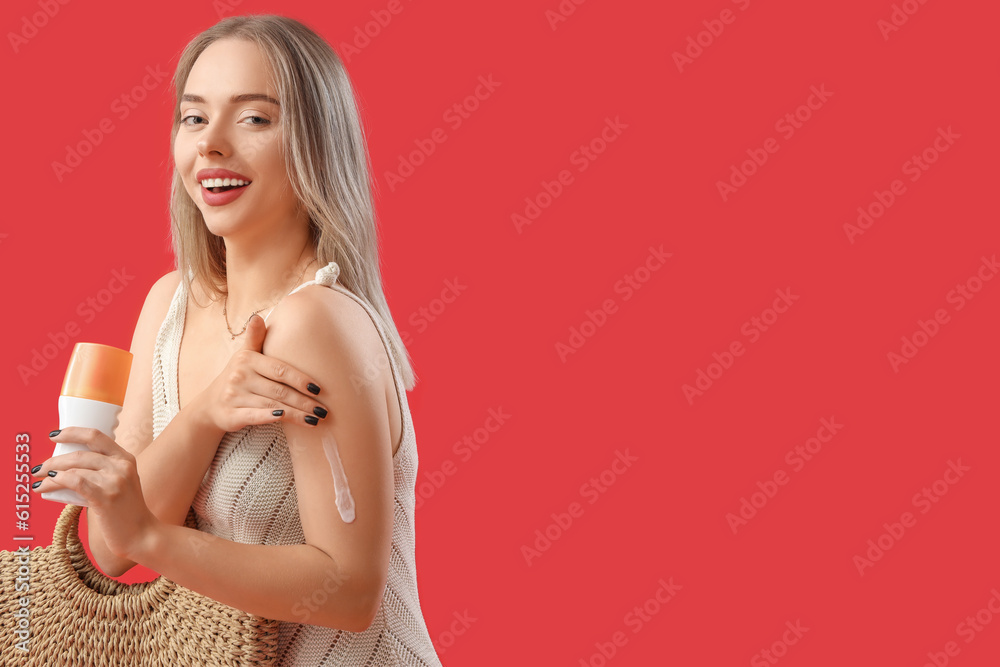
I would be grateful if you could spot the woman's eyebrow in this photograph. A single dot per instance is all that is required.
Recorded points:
(235, 99)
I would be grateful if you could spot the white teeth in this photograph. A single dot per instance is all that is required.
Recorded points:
(222, 182)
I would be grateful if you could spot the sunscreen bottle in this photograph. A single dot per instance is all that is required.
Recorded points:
(92, 395)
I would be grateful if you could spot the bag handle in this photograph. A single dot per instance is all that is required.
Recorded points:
(83, 578)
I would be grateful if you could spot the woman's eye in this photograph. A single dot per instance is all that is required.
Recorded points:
(184, 120)
(263, 121)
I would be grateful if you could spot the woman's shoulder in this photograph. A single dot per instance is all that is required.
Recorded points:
(161, 293)
(167, 284)
(336, 313)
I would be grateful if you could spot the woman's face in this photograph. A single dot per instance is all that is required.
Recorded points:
(231, 127)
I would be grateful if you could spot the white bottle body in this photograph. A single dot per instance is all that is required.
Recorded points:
(88, 413)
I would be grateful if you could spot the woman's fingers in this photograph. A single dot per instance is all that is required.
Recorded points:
(253, 381)
(84, 482)
(81, 459)
(268, 415)
(296, 406)
(94, 439)
(283, 373)
(83, 469)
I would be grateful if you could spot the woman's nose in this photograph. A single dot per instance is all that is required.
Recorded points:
(212, 140)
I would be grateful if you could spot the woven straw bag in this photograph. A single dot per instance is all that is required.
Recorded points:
(80, 617)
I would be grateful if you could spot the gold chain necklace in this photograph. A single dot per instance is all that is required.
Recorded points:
(234, 335)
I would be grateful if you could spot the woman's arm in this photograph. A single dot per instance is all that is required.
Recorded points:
(338, 577)
(170, 470)
(297, 583)
(172, 466)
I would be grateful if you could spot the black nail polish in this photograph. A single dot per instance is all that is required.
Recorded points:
(313, 388)
(52, 473)
(320, 411)
(311, 420)
(55, 433)
(35, 485)
(277, 413)
(34, 471)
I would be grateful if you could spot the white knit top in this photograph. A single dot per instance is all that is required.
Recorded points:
(248, 496)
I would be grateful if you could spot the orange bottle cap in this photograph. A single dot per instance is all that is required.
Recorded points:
(98, 372)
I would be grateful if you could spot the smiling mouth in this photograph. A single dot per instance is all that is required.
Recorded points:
(217, 185)
(225, 188)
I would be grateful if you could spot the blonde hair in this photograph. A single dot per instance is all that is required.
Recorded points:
(325, 155)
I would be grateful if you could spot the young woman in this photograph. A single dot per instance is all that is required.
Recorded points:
(291, 441)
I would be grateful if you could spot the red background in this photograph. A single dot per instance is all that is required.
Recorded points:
(495, 346)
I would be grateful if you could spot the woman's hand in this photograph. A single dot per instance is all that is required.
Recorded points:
(253, 386)
(106, 476)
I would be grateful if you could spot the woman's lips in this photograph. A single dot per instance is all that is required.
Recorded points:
(224, 197)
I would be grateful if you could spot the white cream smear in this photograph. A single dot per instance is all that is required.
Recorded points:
(345, 503)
